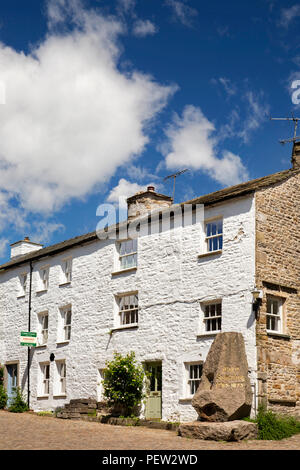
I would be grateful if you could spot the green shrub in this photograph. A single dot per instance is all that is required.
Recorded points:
(1, 375)
(123, 383)
(3, 397)
(274, 427)
(18, 404)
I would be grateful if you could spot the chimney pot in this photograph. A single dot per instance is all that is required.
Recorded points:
(151, 188)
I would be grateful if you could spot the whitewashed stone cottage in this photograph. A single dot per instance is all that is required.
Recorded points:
(163, 295)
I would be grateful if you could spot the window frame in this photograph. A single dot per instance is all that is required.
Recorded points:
(67, 270)
(279, 316)
(60, 380)
(44, 382)
(120, 257)
(23, 278)
(64, 327)
(42, 287)
(41, 329)
(121, 312)
(192, 380)
(216, 236)
(210, 318)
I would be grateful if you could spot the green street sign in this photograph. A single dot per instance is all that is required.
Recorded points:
(28, 338)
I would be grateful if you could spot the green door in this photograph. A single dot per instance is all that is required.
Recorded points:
(153, 403)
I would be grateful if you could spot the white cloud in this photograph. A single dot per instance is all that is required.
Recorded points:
(191, 144)
(43, 230)
(71, 117)
(182, 12)
(258, 110)
(288, 15)
(142, 28)
(3, 246)
(122, 191)
(126, 5)
(229, 87)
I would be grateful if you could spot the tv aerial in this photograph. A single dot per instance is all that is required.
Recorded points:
(295, 120)
(174, 175)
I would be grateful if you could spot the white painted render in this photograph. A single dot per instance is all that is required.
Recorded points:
(172, 282)
(23, 247)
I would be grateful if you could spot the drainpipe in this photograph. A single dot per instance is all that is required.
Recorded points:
(29, 327)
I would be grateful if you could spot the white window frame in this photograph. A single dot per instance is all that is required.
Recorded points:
(214, 238)
(127, 316)
(190, 382)
(208, 320)
(44, 383)
(67, 264)
(42, 331)
(277, 318)
(44, 279)
(65, 328)
(61, 378)
(23, 284)
(128, 253)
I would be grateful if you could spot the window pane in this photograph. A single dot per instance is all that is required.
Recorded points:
(68, 317)
(275, 307)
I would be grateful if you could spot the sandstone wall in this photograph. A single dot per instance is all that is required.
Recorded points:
(278, 274)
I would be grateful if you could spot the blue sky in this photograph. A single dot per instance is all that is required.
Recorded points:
(100, 98)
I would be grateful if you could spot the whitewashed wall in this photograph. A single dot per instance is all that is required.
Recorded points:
(171, 281)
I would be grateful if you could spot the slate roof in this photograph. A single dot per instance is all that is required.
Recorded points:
(238, 190)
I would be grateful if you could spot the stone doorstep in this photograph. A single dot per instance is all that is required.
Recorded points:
(237, 430)
(83, 401)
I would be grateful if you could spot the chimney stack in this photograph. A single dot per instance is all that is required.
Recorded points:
(296, 156)
(23, 247)
(147, 201)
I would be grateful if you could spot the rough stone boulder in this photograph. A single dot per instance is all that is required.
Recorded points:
(229, 431)
(224, 393)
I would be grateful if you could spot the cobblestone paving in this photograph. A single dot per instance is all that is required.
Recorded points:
(27, 431)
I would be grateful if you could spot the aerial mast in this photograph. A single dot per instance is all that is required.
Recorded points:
(174, 175)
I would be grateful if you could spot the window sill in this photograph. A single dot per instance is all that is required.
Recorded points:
(58, 343)
(62, 284)
(41, 291)
(21, 296)
(185, 400)
(60, 395)
(40, 397)
(125, 327)
(208, 333)
(278, 335)
(127, 270)
(210, 253)
(41, 346)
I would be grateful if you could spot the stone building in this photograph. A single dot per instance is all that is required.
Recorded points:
(230, 264)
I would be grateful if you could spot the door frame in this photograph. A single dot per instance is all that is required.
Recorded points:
(157, 362)
(5, 378)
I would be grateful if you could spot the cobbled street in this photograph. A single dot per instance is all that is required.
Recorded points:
(27, 431)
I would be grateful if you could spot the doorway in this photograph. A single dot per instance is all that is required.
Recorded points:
(12, 381)
(154, 398)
